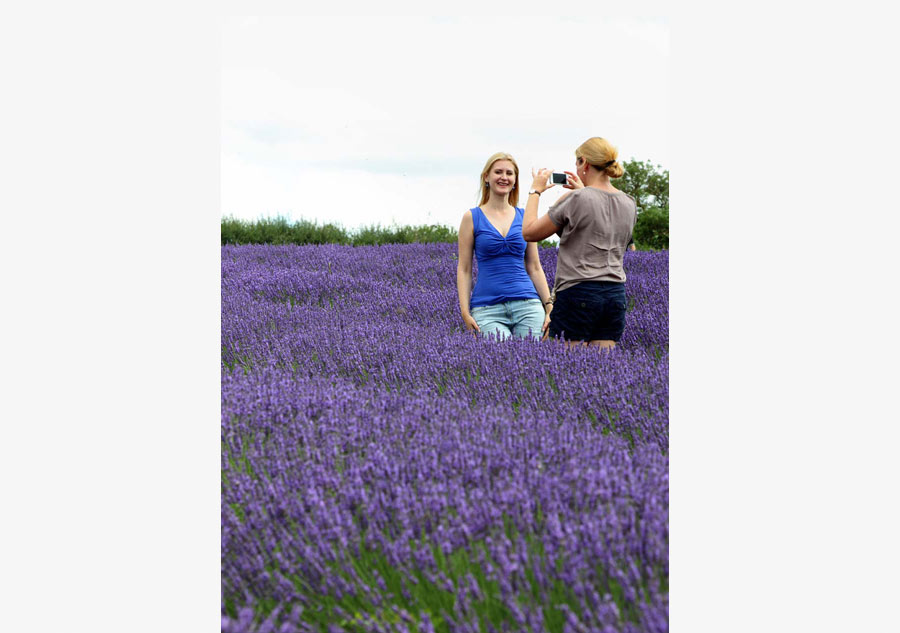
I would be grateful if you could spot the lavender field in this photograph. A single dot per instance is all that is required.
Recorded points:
(384, 470)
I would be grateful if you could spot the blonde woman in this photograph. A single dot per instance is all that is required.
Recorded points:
(511, 297)
(595, 222)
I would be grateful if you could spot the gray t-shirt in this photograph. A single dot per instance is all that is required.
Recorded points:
(595, 227)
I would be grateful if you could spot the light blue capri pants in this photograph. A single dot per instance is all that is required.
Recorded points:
(512, 318)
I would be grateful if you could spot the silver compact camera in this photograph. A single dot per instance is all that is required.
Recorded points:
(558, 178)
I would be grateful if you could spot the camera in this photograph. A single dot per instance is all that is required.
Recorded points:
(558, 178)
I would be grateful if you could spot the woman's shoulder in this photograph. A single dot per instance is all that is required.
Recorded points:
(624, 199)
(619, 192)
(471, 213)
(474, 217)
(468, 218)
(572, 195)
(630, 197)
(616, 193)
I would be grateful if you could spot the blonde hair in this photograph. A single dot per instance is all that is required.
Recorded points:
(600, 153)
(484, 193)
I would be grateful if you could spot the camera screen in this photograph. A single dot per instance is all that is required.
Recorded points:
(558, 179)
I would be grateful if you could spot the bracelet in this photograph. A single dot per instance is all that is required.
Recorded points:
(546, 302)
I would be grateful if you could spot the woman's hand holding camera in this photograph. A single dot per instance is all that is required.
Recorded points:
(574, 181)
(539, 179)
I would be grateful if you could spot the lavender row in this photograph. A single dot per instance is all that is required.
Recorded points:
(405, 333)
(317, 471)
(408, 287)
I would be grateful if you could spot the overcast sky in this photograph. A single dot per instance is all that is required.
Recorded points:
(385, 121)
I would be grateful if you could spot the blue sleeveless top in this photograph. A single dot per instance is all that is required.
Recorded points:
(501, 262)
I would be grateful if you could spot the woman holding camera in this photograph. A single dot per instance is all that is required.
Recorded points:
(511, 297)
(594, 222)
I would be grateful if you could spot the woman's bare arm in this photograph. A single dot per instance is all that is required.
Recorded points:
(464, 269)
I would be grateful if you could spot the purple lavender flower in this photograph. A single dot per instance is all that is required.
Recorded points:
(369, 443)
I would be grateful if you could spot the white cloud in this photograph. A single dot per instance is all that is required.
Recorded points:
(374, 120)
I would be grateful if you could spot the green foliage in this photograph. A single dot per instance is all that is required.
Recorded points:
(279, 230)
(430, 233)
(652, 229)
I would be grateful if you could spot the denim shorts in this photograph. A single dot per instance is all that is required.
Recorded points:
(589, 311)
(511, 318)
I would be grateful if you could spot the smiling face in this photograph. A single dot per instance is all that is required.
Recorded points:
(501, 177)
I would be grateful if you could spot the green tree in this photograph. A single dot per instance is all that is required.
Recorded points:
(651, 232)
